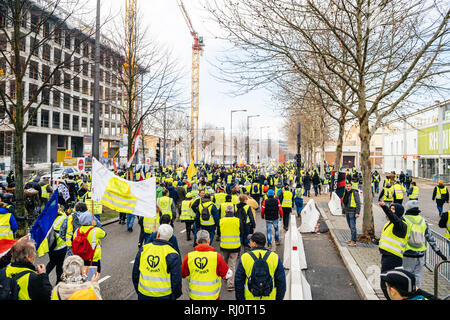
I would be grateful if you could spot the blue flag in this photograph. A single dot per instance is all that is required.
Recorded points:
(43, 225)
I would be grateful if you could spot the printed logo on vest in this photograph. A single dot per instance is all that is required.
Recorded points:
(201, 263)
(153, 261)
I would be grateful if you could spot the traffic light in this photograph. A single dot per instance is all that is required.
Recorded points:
(158, 152)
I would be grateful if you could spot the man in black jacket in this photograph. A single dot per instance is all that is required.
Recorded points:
(440, 194)
(271, 211)
(245, 214)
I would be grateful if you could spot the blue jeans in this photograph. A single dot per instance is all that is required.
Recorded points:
(269, 224)
(298, 205)
(130, 220)
(440, 208)
(351, 221)
(376, 186)
(316, 189)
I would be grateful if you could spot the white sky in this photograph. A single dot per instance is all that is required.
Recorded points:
(166, 25)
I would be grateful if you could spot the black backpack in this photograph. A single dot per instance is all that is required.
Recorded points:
(9, 290)
(205, 213)
(260, 283)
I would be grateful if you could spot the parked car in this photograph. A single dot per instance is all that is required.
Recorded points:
(3, 180)
(59, 173)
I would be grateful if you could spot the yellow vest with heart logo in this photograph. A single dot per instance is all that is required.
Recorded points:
(204, 283)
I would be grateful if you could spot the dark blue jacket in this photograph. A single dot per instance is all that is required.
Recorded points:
(216, 216)
(280, 279)
(12, 220)
(173, 193)
(173, 262)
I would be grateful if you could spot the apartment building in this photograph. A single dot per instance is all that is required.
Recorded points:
(65, 119)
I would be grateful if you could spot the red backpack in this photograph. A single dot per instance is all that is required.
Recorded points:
(82, 247)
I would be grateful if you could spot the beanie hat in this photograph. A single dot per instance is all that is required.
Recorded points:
(85, 218)
(411, 204)
(270, 193)
(400, 279)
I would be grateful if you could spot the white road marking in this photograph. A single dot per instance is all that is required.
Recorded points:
(103, 279)
(183, 231)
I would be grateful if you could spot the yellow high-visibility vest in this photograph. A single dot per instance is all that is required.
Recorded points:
(44, 193)
(439, 193)
(223, 208)
(248, 262)
(187, 213)
(203, 281)
(390, 242)
(415, 193)
(154, 278)
(5, 227)
(230, 233)
(165, 205)
(22, 282)
(287, 199)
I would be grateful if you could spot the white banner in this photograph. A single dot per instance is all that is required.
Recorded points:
(144, 191)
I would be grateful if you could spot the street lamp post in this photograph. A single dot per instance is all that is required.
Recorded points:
(248, 137)
(260, 141)
(231, 133)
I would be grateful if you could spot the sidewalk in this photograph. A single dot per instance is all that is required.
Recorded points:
(363, 260)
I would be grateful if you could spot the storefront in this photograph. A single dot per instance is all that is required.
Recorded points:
(434, 162)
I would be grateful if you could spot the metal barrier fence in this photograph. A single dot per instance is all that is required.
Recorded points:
(432, 259)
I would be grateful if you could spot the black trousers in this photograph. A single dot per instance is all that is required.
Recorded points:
(189, 229)
(286, 216)
(388, 262)
(56, 260)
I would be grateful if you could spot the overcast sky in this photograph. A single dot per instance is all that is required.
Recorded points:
(167, 25)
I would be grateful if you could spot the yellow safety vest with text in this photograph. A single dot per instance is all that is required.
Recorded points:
(154, 278)
(203, 281)
(165, 205)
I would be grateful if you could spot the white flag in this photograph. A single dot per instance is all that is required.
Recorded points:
(144, 191)
(62, 189)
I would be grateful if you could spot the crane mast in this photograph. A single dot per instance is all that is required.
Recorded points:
(197, 49)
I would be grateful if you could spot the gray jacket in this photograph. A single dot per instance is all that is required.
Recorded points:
(346, 207)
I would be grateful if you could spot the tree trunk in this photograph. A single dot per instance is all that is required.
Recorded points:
(368, 223)
(339, 144)
(22, 220)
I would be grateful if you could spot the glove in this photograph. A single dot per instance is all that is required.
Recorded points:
(440, 254)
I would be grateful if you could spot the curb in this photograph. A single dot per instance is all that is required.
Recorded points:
(363, 286)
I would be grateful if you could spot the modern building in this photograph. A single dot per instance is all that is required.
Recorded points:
(420, 144)
(65, 119)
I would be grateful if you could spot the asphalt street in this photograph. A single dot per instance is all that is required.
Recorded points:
(327, 275)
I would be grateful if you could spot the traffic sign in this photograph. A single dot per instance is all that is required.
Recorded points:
(68, 154)
(81, 164)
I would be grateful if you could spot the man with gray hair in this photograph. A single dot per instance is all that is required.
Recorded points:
(32, 281)
(204, 269)
(157, 268)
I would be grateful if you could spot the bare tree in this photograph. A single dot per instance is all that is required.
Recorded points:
(29, 30)
(393, 50)
(149, 74)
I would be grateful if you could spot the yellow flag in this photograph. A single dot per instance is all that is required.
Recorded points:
(191, 171)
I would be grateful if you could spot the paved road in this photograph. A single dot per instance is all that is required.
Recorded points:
(326, 273)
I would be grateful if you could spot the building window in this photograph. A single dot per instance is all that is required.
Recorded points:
(56, 99)
(66, 101)
(46, 52)
(76, 104)
(45, 73)
(75, 123)
(33, 115)
(67, 40)
(34, 70)
(85, 68)
(45, 115)
(84, 125)
(32, 92)
(66, 80)
(57, 56)
(85, 88)
(76, 84)
(56, 120)
(67, 60)
(46, 96)
(66, 121)
(84, 106)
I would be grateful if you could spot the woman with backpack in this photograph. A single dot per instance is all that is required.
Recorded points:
(87, 241)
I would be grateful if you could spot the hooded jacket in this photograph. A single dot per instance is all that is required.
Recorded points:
(400, 227)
